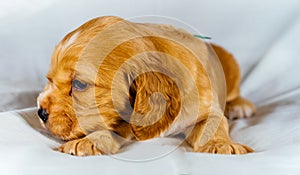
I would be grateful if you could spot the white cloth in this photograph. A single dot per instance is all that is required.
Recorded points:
(263, 35)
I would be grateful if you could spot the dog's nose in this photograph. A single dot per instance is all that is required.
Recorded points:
(43, 114)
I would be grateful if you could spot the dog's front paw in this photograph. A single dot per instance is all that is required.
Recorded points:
(224, 148)
(80, 147)
(239, 108)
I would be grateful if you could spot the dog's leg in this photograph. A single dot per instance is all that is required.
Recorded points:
(96, 143)
(239, 108)
(219, 143)
(236, 106)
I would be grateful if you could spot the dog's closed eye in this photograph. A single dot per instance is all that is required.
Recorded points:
(79, 85)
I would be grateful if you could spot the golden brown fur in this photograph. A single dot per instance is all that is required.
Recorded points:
(144, 81)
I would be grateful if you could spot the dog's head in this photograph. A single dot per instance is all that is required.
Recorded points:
(78, 98)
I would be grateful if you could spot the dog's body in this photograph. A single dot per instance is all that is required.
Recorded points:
(111, 81)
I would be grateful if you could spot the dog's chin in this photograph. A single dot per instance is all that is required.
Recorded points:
(63, 127)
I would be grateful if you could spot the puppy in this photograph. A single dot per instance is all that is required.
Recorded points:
(112, 82)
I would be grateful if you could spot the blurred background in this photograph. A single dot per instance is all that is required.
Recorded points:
(29, 30)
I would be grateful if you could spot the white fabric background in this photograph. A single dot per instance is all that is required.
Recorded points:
(263, 35)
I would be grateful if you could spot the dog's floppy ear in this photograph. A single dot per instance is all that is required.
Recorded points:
(156, 102)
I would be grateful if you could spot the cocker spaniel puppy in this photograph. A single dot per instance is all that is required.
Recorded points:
(112, 82)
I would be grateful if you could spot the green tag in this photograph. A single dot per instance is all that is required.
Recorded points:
(202, 37)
